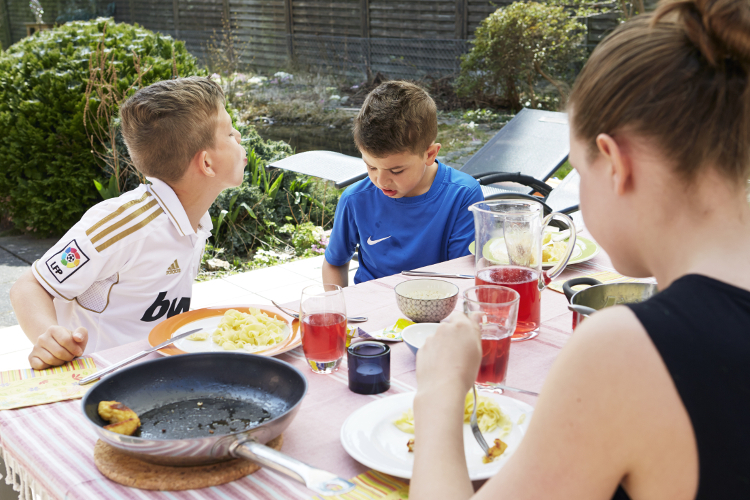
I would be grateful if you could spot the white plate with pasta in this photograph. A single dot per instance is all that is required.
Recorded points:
(247, 328)
(370, 436)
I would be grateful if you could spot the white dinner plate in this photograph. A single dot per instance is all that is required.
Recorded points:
(370, 437)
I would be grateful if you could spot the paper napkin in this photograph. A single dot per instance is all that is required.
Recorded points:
(373, 485)
(19, 388)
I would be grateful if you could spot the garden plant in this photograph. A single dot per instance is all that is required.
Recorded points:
(518, 46)
(48, 165)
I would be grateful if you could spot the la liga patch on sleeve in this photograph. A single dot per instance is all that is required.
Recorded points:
(67, 261)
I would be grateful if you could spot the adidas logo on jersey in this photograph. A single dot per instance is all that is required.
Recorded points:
(174, 268)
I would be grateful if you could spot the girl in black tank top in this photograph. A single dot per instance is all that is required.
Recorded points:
(701, 328)
(651, 400)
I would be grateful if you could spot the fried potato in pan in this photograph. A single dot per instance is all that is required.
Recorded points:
(123, 419)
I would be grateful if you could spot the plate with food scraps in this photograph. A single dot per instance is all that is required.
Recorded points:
(370, 436)
(388, 334)
(585, 249)
(208, 320)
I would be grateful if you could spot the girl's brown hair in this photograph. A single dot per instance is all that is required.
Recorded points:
(678, 77)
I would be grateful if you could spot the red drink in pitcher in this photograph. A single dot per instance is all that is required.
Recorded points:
(324, 336)
(495, 355)
(523, 280)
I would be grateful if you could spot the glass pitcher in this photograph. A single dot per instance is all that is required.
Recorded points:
(509, 241)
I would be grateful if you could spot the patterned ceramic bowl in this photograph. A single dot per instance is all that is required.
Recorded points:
(426, 300)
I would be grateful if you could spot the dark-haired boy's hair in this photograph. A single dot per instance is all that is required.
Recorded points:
(396, 117)
(165, 124)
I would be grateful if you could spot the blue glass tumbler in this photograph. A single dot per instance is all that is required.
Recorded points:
(369, 367)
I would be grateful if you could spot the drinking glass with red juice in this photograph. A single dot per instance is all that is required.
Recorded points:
(495, 310)
(508, 252)
(323, 326)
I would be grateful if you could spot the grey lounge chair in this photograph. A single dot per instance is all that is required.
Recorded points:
(342, 169)
(527, 151)
(524, 154)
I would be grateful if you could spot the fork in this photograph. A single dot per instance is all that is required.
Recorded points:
(290, 312)
(475, 427)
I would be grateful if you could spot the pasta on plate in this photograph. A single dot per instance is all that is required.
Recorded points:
(489, 416)
(251, 331)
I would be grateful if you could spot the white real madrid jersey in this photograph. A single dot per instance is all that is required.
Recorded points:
(128, 264)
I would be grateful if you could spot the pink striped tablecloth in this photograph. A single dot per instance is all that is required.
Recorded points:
(51, 447)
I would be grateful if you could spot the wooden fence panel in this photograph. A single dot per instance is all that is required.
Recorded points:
(402, 38)
(325, 17)
(599, 26)
(5, 26)
(435, 19)
(18, 13)
(479, 10)
(260, 30)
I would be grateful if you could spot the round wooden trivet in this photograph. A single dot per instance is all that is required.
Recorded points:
(129, 471)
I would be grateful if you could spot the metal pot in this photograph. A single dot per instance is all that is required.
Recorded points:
(598, 296)
(208, 407)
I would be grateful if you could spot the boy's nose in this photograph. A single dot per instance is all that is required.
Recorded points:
(383, 179)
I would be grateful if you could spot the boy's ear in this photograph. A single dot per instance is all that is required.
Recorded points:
(202, 162)
(432, 153)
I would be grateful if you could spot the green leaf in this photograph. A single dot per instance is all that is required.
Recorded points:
(249, 210)
(274, 190)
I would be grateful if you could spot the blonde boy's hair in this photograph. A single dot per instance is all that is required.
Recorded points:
(165, 124)
(396, 117)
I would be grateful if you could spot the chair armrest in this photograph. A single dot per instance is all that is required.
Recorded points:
(526, 180)
(516, 196)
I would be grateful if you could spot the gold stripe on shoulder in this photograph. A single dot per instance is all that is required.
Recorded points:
(117, 225)
(168, 211)
(114, 239)
(48, 283)
(117, 212)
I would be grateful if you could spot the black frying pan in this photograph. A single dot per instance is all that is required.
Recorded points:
(203, 408)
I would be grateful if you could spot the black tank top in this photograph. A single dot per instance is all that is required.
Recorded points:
(701, 328)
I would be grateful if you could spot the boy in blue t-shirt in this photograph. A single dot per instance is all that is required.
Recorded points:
(412, 211)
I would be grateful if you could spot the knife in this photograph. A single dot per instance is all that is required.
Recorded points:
(436, 275)
(515, 389)
(126, 361)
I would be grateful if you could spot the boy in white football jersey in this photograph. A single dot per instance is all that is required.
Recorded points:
(130, 261)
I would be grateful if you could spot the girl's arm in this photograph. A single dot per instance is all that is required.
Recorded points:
(608, 414)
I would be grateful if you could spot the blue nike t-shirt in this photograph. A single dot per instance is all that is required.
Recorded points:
(396, 235)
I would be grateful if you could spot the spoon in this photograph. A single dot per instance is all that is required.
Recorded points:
(290, 312)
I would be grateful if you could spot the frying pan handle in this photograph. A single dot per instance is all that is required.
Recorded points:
(319, 481)
(568, 285)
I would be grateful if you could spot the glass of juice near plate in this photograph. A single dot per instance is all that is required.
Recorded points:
(323, 326)
(508, 252)
(495, 309)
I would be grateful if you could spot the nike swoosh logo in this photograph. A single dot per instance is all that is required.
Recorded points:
(370, 241)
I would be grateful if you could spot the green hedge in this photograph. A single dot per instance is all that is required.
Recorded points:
(45, 156)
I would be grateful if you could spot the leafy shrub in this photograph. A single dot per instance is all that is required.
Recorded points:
(267, 200)
(48, 167)
(518, 45)
(306, 238)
